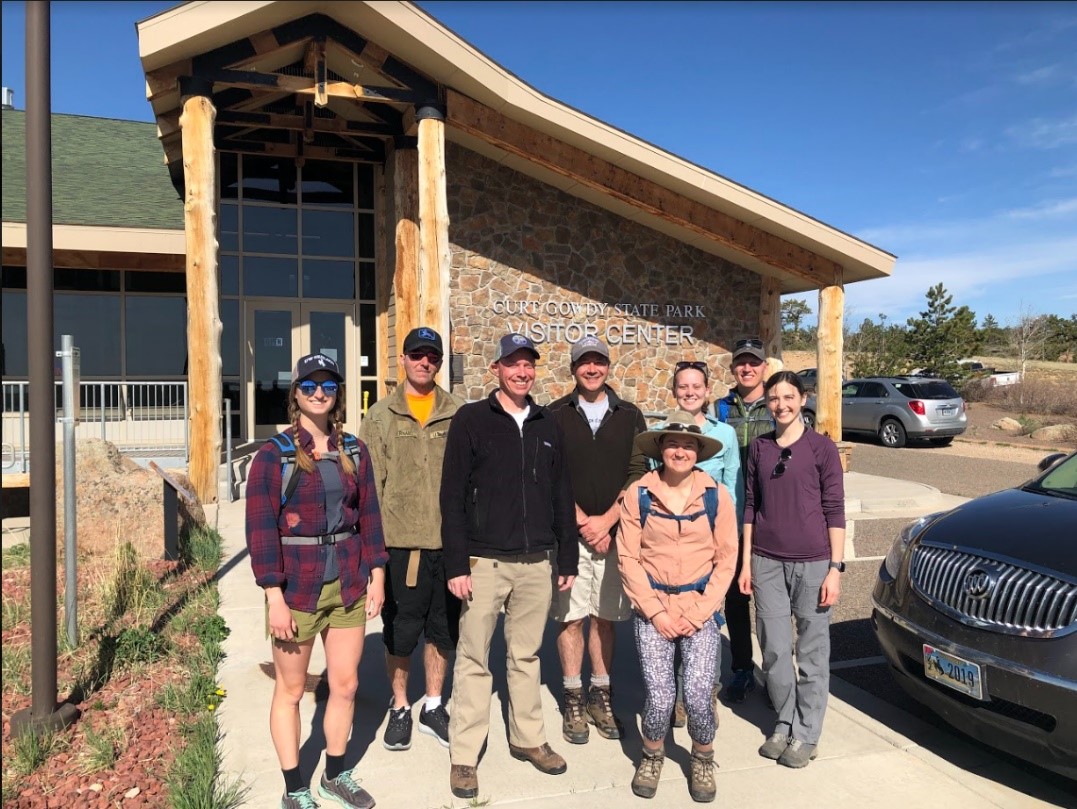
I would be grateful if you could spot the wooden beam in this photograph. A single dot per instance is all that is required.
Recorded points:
(406, 244)
(434, 251)
(251, 80)
(280, 120)
(102, 260)
(770, 316)
(203, 314)
(829, 357)
(491, 126)
(165, 80)
(367, 154)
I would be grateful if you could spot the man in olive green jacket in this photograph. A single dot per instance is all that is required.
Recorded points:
(405, 435)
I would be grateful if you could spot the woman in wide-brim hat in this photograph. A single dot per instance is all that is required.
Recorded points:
(677, 548)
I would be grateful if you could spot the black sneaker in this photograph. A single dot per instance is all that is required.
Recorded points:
(435, 723)
(398, 731)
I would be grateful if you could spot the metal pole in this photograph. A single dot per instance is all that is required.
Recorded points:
(39, 354)
(101, 404)
(67, 353)
(228, 445)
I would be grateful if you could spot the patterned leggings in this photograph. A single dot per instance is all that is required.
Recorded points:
(656, 662)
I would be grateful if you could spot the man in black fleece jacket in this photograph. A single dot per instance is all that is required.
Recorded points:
(506, 506)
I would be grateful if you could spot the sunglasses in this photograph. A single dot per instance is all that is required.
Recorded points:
(779, 468)
(308, 386)
(696, 365)
(748, 342)
(431, 356)
(682, 428)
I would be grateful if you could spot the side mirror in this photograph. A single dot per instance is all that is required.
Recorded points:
(1050, 461)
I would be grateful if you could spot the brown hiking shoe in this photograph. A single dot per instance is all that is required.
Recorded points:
(701, 784)
(573, 719)
(680, 714)
(543, 757)
(464, 781)
(645, 781)
(600, 712)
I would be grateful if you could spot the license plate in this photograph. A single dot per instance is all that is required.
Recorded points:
(953, 671)
(946, 411)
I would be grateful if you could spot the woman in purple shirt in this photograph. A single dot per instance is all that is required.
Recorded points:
(793, 551)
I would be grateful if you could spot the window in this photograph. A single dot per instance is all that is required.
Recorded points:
(850, 391)
(13, 353)
(156, 336)
(93, 320)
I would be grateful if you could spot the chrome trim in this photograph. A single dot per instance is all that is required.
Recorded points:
(975, 656)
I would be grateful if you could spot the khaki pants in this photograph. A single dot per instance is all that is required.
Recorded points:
(522, 585)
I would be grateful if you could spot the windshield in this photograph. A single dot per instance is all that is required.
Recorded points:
(1061, 477)
(927, 390)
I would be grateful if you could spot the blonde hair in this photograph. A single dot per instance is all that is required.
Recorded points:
(336, 418)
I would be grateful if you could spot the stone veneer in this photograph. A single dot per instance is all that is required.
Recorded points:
(514, 238)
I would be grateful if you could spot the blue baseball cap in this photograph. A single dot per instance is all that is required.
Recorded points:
(511, 343)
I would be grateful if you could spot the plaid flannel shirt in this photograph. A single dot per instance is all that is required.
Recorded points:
(298, 569)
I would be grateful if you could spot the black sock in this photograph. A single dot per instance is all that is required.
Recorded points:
(293, 780)
(334, 766)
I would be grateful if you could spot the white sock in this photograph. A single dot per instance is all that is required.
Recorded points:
(573, 682)
(432, 703)
(600, 680)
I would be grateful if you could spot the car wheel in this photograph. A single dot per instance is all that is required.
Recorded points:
(942, 442)
(809, 419)
(892, 434)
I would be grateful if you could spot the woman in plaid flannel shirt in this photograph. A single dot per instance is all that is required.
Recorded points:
(320, 559)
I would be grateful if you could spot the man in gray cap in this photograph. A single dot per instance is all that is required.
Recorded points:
(600, 431)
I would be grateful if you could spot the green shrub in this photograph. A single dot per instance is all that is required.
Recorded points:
(136, 645)
(33, 746)
(194, 780)
(202, 547)
(102, 749)
(17, 556)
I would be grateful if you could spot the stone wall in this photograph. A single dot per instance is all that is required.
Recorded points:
(518, 244)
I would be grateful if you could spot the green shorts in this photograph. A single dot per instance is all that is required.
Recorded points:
(330, 612)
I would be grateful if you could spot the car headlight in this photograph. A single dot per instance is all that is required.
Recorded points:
(896, 554)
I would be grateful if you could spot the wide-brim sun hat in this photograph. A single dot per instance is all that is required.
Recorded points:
(680, 424)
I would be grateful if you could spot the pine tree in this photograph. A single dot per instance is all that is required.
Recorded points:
(942, 335)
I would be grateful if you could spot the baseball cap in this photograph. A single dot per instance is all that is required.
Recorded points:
(315, 362)
(589, 345)
(752, 346)
(423, 337)
(514, 342)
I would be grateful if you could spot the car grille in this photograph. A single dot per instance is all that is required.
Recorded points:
(993, 594)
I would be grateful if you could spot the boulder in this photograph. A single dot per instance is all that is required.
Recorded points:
(117, 500)
(1065, 433)
(1008, 425)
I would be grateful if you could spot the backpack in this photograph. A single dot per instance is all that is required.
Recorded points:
(710, 508)
(289, 480)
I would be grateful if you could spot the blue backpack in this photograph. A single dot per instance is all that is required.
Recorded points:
(289, 480)
(710, 508)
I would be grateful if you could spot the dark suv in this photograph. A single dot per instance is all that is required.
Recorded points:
(897, 408)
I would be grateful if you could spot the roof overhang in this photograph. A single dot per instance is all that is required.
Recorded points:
(93, 247)
(416, 38)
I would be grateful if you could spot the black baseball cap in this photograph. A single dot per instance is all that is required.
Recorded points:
(423, 337)
(751, 346)
(315, 362)
(512, 343)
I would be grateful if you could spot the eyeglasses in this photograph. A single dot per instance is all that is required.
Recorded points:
(779, 468)
(748, 342)
(682, 428)
(308, 386)
(431, 356)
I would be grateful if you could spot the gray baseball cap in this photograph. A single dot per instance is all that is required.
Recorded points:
(589, 345)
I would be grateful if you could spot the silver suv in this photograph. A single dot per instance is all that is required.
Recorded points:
(897, 408)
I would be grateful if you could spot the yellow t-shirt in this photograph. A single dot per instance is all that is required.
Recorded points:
(421, 406)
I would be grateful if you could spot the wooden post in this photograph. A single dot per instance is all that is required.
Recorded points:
(383, 278)
(434, 254)
(770, 316)
(830, 359)
(203, 312)
(406, 209)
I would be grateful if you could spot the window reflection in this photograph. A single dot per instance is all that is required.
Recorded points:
(328, 233)
(328, 183)
(269, 179)
(276, 277)
(328, 279)
(93, 320)
(270, 230)
(228, 227)
(156, 336)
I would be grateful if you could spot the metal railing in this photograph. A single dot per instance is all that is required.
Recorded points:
(138, 417)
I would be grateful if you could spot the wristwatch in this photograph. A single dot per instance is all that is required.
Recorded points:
(838, 566)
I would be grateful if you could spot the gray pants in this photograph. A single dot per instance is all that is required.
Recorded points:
(785, 590)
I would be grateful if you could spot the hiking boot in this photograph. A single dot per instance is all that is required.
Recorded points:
(298, 800)
(774, 746)
(345, 790)
(701, 784)
(543, 758)
(398, 731)
(798, 754)
(743, 684)
(600, 712)
(645, 781)
(464, 781)
(435, 723)
(574, 718)
(680, 714)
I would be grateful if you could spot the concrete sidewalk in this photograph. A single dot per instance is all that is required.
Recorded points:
(871, 753)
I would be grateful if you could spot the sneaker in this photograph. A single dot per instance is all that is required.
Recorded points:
(573, 717)
(398, 731)
(345, 790)
(600, 712)
(543, 758)
(298, 800)
(435, 723)
(464, 781)
(649, 769)
(680, 714)
(701, 784)
(743, 684)
(798, 754)
(774, 746)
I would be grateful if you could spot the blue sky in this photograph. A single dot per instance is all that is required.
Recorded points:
(943, 133)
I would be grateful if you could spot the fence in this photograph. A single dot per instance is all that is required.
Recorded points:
(140, 418)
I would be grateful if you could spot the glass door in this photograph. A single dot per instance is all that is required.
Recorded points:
(329, 328)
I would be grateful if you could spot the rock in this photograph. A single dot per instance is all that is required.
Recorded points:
(132, 792)
(1057, 432)
(1008, 425)
(117, 500)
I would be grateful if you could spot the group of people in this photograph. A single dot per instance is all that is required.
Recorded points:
(441, 515)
